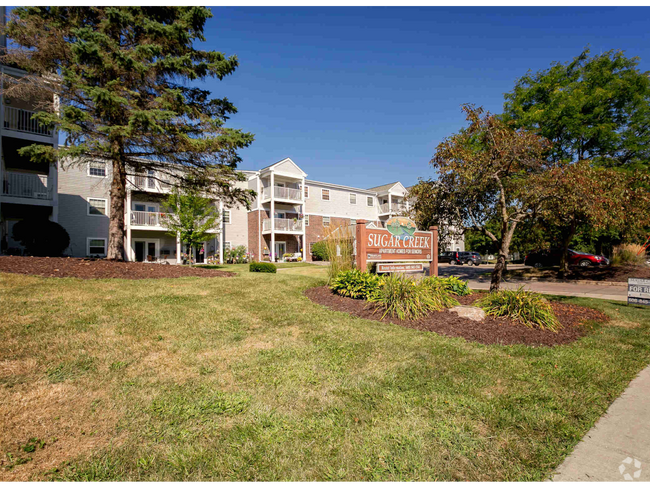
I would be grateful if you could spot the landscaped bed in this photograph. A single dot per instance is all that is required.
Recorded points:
(576, 321)
(100, 268)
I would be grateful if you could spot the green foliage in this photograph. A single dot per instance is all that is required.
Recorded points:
(408, 299)
(236, 255)
(590, 108)
(190, 215)
(528, 307)
(256, 267)
(628, 254)
(128, 85)
(41, 237)
(319, 251)
(356, 284)
(450, 284)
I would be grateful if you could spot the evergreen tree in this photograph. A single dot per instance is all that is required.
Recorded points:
(122, 81)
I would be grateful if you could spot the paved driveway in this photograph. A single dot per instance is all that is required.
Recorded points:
(478, 282)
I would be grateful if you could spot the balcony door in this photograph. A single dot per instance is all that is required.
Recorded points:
(146, 249)
(280, 249)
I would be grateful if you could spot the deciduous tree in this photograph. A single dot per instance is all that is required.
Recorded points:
(595, 108)
(485, 173)
(191, 216)
(125, 78)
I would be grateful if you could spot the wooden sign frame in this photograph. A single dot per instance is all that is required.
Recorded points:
(403, 251)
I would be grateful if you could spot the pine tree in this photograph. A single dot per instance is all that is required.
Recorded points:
(122, 79)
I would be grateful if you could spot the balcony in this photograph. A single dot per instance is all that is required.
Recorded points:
(147, 219)
(282, 193)
(26, 185)
(20, 120)
(396, 208)
(283, 225)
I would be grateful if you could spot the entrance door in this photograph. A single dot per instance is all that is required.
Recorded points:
(139, 250)
(280, 249)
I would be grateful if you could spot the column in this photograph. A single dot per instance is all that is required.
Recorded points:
(361, 245)
(304, 229)
(179, 258)
(272, 250)
(390, 205)
(259, 217)
(222, 230)
(433, 266)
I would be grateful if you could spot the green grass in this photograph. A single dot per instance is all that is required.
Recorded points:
(246, 379)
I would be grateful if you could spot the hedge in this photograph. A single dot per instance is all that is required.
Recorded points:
(262, 268)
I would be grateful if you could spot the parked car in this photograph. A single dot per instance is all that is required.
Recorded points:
(451, 257)
(551, 257)
(471, 258)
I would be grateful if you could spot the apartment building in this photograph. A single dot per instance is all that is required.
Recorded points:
(289, 214)
(27, 189)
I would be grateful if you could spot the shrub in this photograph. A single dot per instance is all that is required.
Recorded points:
(339, 244)
(262, 268)
(451, 284)
(406, 298)
(356, 284)
(319, 251)
(628, 254)
(528, 307)
(236, 255)
(41, 237)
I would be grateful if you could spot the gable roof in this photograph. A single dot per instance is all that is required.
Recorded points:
(284, 161)
(387, 187)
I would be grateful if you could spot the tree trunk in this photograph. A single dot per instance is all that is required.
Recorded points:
(504, 250)
(191, 256)
(564, 258)
(116, 223)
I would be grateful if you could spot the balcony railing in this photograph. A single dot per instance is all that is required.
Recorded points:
(20, 120)
(147, 219)
(283, 225)
(282, 193)
(26, 185)
(395, 208)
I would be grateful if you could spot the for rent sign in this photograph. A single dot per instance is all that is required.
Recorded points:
(638, 291)
(396, 245)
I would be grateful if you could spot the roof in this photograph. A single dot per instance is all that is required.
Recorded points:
(383, 187)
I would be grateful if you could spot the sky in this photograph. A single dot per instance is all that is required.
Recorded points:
(362, 96)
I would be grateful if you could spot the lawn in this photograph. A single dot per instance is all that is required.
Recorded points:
(245, 379)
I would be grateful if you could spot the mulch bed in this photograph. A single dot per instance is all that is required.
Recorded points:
(490, 331)
(100, 268)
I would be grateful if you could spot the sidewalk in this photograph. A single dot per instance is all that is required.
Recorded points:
(617, 448)
(604, 292)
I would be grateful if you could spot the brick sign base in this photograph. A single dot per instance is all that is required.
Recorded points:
(399, 267)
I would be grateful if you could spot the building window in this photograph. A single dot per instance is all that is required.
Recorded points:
(353, 198)
(370, 202)
(326, 221)
(97, 168)
(97, 206)
(306, 220)
(325, 194)
(306, 192)
(353, 221)
(96, 246)
(151, 181)
(226, 245)
(226, 216)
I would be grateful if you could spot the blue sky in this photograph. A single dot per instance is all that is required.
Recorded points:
(362, 96)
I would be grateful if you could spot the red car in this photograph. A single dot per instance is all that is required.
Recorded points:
(551, 257)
